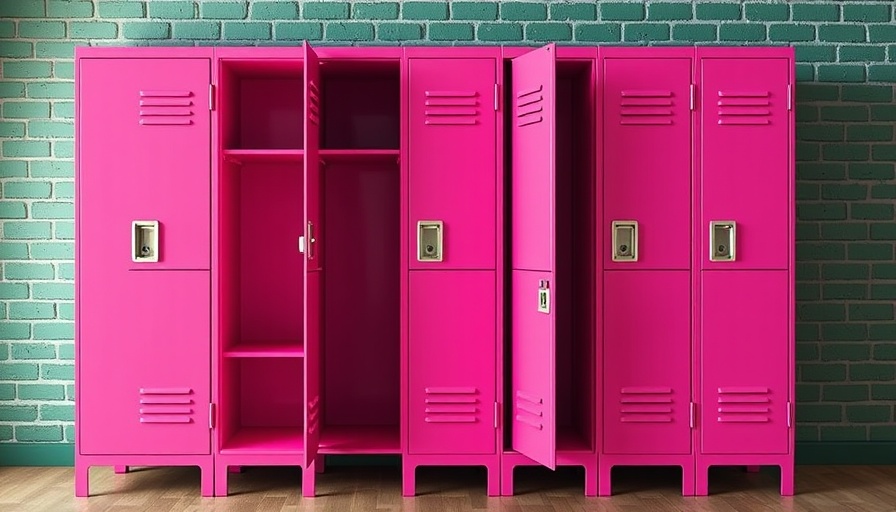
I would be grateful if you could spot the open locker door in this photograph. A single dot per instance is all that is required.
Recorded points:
(313, 257)
(533, 255)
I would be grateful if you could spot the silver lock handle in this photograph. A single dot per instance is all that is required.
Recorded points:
(145, 241)
(722, 240)
(429, 240)
(625, 240)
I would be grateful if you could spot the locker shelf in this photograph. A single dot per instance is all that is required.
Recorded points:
(265, 440)
(359, 155)
(344, 439)
(252, 156)
(569, 439)
(282, 348)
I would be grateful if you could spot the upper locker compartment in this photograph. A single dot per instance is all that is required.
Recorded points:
(452, 163)
(261, 100)
(745, 146)
(646, 153)
(144, 165)
(533, 255)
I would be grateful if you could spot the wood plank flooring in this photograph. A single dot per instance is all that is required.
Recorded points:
(373, 489)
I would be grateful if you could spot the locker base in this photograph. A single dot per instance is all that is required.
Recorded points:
(606, 462)
(224, 463)
(588, 460)
(785, 462)
(120, 463)
(409, 464)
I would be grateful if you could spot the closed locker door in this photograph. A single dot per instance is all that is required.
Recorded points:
(647, 362)
(451, 362)
(744, 163)
(452, 162)
(646, 151)
(745, 363)
(144, 351)
(144, 155)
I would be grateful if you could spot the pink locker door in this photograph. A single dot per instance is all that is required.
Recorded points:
(647, 362)
(452, 159)
(314, 271)
(451, 362)
(144, 155)
(647, 160)
(744, 160)
(744, 362)
(533, 257)
(143, 362)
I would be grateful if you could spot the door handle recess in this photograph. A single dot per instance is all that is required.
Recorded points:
(429, 240)
(722, 240)
(306, 245)
(145, 241)
(544, 296)
(625, 240)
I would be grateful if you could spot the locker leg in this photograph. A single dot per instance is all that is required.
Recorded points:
(120, 470)
(752, 469)
(604, 485)
(207, 478)
(408, 479)
(308, 477)
(688, 480)
(235, 469)
(221, 474)
(702, 481)
(319, 463)
(507, 479)
(82, 476)
(787, 480)
(590, 481)
(493, 483)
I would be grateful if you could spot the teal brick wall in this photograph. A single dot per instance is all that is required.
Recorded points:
(846, 53)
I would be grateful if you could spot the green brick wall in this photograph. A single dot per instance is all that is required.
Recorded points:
(846, 54)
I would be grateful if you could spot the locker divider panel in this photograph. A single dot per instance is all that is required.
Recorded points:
(533, 256)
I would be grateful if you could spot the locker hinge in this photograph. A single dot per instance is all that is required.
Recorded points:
(497, 95)
(211, 415)
(789, 414)
(211, 96)
(692, 420)
(693, 96)
(789, 97)
(497, 414)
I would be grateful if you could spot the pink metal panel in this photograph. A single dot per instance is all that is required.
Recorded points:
(143, 363)
(314, 298)
(745, 365)
(452, 362)
(533, 379)
(533, 258)
(744, 158)
(144, 155)
(452, 159)
(646, 362)
(647, 158)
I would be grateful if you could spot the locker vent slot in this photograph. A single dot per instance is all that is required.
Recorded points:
(451, 108)
(646, 107)
(744, 404)
(313, 103)
(165, 108)
(744, 107)
(646, 404)
(529, 106)
(529, 410)
(313, 414)
(165, 405)
(451, 405)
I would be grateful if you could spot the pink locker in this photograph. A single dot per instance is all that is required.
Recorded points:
(645, 189)
(746, 252)
(143, 220)
(453, 252)
(550, 403)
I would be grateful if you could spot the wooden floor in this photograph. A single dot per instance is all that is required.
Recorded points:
(341, 489)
